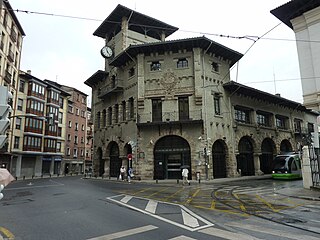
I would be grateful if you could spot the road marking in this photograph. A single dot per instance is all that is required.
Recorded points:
(125, 233)
(227, 235)
(189, 220)
(56, 184)
(126, 199)
(205, 222)
(6, 233)
(151, 206)
(271, 231)
(182, 237)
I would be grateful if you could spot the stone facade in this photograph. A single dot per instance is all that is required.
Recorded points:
(170, 104)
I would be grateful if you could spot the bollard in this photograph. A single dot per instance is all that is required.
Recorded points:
(199, 180)
(24, 177)
(32, 176)
(177, 181)
(50, 175)
(156, 180)
(16, 178)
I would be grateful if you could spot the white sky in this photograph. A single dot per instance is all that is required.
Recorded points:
(65, 50)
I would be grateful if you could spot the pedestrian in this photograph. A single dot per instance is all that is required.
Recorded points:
(130, 174)
(185, 173)
(122, 172)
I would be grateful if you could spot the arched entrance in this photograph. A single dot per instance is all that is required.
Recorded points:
(245, 158)
(170, 153)
(219, 160)
(115, 161)
(285, 146)
(266, 158)
(100, 162)
(128, 150)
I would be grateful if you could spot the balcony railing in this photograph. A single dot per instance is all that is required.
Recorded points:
(114, 86)
(172, 117)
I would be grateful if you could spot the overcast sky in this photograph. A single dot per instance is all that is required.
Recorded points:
(63, 49)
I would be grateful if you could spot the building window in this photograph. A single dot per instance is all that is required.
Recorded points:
(297, 125)
(182, 63)
(20, 104)
(82, 139)
(83, 114)
(59, 134)
(183, 104)
(131, 72)
(155, 66)
(124, 111)
(70, 124)
(81, 152)
(70, 109)
(76, 139)
(76, 127)
(21, 86)
(60, 117)
(18, 123)
(82, 127)
(98, 120)
(263, 119)
(77, 111)
(69, 137)
(156, 110)
(310, 127)
(131, 108)
(58, 146)
(116, 113)
(215, 66)
(75, 153)
(216, 102)
(109, 115)
(61, 102)
(242, 115)
(68, 151)
(16, 142)
(281, 122)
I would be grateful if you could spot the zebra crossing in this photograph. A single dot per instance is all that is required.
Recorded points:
(179, 214)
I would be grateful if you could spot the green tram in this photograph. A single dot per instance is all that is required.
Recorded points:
(287, 166)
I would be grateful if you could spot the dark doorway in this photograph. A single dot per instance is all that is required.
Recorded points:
(245, 161)
(170, 153)
(219, 160)
(266, 158)
(115, 161)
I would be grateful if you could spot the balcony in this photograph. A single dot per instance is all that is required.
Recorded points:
(194, 117)
(113, 87)
(50, 149)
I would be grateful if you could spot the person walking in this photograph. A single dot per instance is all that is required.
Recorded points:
(122, 172)
(185, 173)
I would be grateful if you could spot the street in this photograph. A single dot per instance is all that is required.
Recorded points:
(76, 208)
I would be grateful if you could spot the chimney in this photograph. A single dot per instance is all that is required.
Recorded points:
(29, 72)
(278, 94)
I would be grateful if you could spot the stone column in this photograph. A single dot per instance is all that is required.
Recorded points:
(306, 169)
(18, 166)
(38, 166)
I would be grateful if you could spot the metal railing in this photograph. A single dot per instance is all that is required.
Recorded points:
(170, 117)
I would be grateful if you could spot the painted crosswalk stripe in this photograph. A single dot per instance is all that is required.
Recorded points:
(182, 237)
(126, 199)
(125, 233)
(271, 231)
(189, 220)
(151, 206)
(227, 235)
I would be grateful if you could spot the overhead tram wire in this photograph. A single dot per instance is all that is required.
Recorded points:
(248, 37)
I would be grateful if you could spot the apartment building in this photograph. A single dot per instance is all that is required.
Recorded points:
(11, 37)
(89, 143)
(38, 130)
(159, 105)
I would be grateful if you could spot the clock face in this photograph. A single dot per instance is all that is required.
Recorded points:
(106, 52)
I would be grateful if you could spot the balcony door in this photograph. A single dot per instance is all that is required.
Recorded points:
(183, 108)
(156, 110)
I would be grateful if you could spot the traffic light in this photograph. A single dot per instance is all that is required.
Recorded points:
(1, 188)
(5, 109)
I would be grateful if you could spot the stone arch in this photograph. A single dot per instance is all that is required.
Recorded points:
(285, 146)
(170, 154)
(268, 150)
(219, 164)
(245, 159)
(115, 162)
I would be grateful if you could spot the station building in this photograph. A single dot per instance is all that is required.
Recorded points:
(163, 104)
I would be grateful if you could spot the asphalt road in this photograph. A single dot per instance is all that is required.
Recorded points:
(76, 208)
